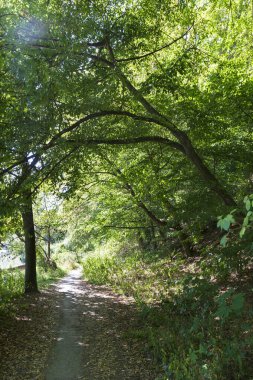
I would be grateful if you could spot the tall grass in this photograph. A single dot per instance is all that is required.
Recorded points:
(11, 285)
(49, 276)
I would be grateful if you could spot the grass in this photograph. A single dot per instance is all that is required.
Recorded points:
(12, 284)
(144, 276)
(196, 314)
(46, 278)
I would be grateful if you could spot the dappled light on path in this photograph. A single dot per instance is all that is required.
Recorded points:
(91, 341)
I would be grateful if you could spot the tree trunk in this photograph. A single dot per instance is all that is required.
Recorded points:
(48, 244)
(204, 171)
(30, 246)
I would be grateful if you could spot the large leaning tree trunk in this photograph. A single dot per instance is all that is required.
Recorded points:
(189, 150)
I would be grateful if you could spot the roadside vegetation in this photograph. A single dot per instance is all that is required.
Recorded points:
(196, 313)
(12, 284)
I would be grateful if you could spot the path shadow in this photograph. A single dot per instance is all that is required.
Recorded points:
(92, 341)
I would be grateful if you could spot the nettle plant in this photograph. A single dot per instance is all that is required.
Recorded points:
(225, 223)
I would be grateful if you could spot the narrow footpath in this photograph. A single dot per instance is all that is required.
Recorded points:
(73, 331)
(91, 342)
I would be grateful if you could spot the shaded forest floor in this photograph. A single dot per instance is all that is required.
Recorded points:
(26, 335)
(81, 328)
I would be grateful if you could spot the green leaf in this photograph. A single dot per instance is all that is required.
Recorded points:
(245, 221)
(219, 224)
(224, 240)
(242, 232)
(248, 204)
(225, 224)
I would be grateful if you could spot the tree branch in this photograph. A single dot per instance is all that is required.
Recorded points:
(75, 125)
(95, 116)
(128, 141)
(139, 202)
(134, 58)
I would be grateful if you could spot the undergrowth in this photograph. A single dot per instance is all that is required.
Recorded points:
(47, 277)
(196, 317)
(12, 284)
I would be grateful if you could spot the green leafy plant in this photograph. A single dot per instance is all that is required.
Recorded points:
(225, 223)
(229, 303)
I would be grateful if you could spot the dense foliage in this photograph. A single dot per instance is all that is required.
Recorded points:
(126, 126)
(197, 328)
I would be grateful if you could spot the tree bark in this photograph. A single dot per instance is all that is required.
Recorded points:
(48, 244)
(30, 246)
(204, 171)
(29, 233)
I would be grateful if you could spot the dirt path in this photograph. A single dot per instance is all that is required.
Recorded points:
(72, 331)
(91, 342)
(66, 356)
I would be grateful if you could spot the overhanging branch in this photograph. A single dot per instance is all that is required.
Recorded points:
(127, 141)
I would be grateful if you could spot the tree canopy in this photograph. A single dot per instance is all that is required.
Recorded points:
(150, 100)
(126, 127)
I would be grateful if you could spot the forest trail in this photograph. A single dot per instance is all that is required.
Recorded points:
(91, 341)
(73, 330)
